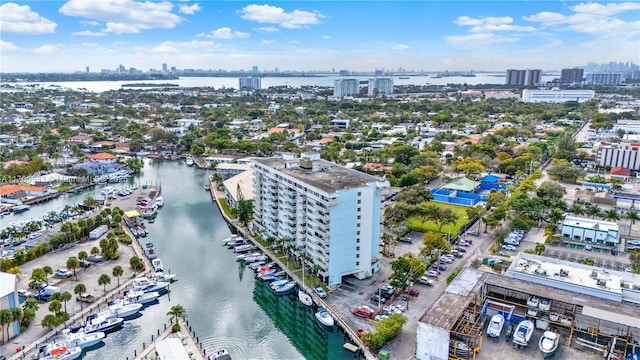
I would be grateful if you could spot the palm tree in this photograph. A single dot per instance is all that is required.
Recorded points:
(82, 255)
(136, 263)
(48, 271)
(633, 216)
(611, 214)
(104, 280)
(6, 318)
(176, 312)
(72, 264)
(539, 249)
(554, 216)
(117, 272)
(576, 209)
(49, 321)
(95, 250)
(15, 271)
(79, 290)
(64, 297)
(55, 306)
(594, 211)
(38, 277)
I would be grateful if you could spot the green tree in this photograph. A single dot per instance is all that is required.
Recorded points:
(444, 217)
(48, 271)
(55, 306)
(6, 318)
(611, 215)
(564, 171)
(539, 249)
(79, 290)
(117, 272)
(414, 195)
(384, 331)
(176, 312)
(594, 210)
(434, 245)
(82, 255)
(104, 280)
(72, 264)
(469, 166)
(576, 209)
(136, 263)
(49, 321)
(407, 269)
(38, 277)
(95, 250)
(64, 297)
(633, 216)
(552, 190)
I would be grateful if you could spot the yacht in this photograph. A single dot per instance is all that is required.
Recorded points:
(189, 161)
(159, 201)
(324, 318)
(99, 323)
(157, 265)
(139, 297)
(220, 354)
(60, 352)
(147, 285)
(122, 310)
(81, 339)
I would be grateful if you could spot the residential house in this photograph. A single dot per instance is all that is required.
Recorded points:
(620, 173)
(102, 158)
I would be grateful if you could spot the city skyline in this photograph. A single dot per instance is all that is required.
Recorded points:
(303, 36)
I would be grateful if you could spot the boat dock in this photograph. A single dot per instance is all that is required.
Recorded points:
(167, 344)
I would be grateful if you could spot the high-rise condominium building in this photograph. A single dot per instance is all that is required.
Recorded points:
(327, 211)
(250, 83)
(345, 87)
(380, 86)
(571, 76)
(165, 68)
(523, 77)
(605, 79)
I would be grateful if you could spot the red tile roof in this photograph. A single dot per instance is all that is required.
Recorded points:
(101, 156)
(10, 189)
(620, 171)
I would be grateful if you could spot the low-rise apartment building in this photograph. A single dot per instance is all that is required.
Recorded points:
(329, 212)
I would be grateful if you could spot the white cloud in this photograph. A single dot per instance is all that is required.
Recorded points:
(22, 20)
(7, 46)
(164, 48)
(267, 29)
(468, 21)
(172, 47)
(479, 39)
(46, 49)
(488, 30)
(189, 9)
(326, 37)
(124, 16)
(88, 33)
(276, 15)
(224, 33)
(295, 42)
(400, 47)
(267, 42)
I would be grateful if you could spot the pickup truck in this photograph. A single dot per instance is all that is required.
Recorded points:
(88, 298)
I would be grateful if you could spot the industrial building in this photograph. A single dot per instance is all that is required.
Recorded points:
(330, 212)
(590, 231)
(591, 309)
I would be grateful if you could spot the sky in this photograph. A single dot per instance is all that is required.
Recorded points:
(37, 36)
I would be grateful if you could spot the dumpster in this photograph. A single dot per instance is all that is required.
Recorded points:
(384, 355)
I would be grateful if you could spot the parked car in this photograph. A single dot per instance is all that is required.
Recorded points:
(442, 267)
(320, 292)
(88, 298)
(63, 273)
(431, 273)
(95, 258)
(25, 294)
(363, 311)
(509, 247)
(425, 281)
(462, 250)
(375, 298)
(588, 247)
(84, 264)
(406, 239)
(445, 259)
(413, 292)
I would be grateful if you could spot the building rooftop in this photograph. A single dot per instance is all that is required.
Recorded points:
(244, 180)
(101, 156)
(594, 224)
(232, 166)
(462, 184)
(326, 176)
(450, 305)
(7, 284)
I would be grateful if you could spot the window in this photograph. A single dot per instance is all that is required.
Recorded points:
(359, 209)
(357, 248)
(358, 232)
(358, 216)
(359, 201)
(357, 263)
(576, 237)
(588, 239)
(359, 193)
(357, 256)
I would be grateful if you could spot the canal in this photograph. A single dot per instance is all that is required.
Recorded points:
(225, 305)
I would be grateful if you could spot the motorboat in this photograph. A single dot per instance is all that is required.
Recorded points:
(271, 278)
(533, 302)
(554, 316)
(159, 201)
(220, 354)
(140, 297)
(278, 283)
(495, 326)
(266, 272)
(233, 243)
(532, 312)
(124, 310)
(305, 298)
(232, 238)
(285, 288)
(243, 248)
(157, 265)
(207, 187)
(255, 258)
(99, 323)
(324, 317)
(189, 161)
(148, 285)
(161, 276)
(523, 332)
(150, 250)
(81, 339)
(60, 352)
(242, 257)
(549, 343)
(459, 348)
(545, 305)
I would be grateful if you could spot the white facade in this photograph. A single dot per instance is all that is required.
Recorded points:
(590, 230)
(380, 86)
(556, 96)
(625, 155)
(250, 82)
(327, 211)
(345, 87)
(9, 300)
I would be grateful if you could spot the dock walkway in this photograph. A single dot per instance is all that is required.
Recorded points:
(186, 337)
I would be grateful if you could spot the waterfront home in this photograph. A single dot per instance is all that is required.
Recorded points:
(23, 192)
(102, 158)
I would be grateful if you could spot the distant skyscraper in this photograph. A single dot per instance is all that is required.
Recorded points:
(254, 69)
(173, 69)
(165, 69)
(571, 76)
(605, 79)
(344, 73)
(523, 77)
(86, 69)
(121, 68)
(250, 83)
(345, 87)
(380, 86)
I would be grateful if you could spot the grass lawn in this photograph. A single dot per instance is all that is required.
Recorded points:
(461, 211)
(226, 209)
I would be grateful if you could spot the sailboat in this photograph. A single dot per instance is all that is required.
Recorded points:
(302, 295)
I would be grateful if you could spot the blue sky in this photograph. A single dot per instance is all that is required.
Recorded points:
(315, 35)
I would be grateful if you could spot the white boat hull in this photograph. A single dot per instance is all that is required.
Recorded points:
(324, 318)
(84, 340)
(70, 354)
(305, 298)
(123, 311)
(523, 333)
(549, 344)
(495, 326)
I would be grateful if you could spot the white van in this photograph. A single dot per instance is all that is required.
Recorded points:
(46, 293)
(511, 241)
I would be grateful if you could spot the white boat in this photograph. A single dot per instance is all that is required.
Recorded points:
(523, 333)
(161, 276)
(554, 316)
(549, 343)
(324, 318)
(100, 323)
(243, 248)
(159, 201)
(148, 285)
(82, 339)
(305, 298)
(255, 258)
(150, 251)
(124, 310)
(140, 297)
(60, 352)
(189, 161)
(278, 283)
(495, 326)
(533, 302)
(232, 238)
(545, 305)
(532, 312)
(157, 265)
(285, 289)
(244, 256)
(220, 354)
